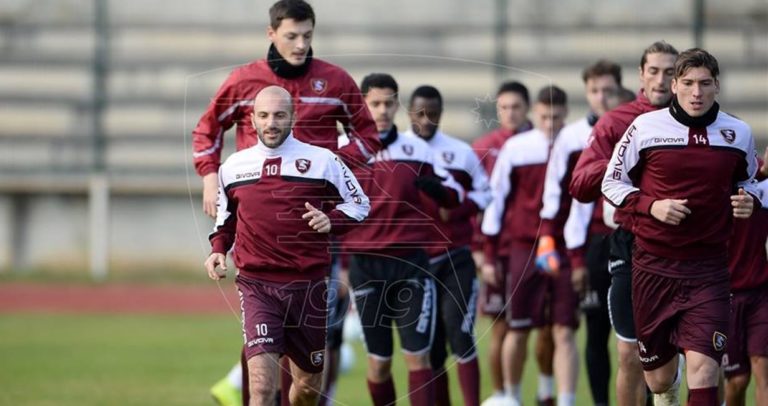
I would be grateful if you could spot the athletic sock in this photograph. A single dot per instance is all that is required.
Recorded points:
(513, 391)
(421, 390)
(469, 380)
(566, 399)
(383, 394)
(442, 395)
(546, 389)
(702, 397)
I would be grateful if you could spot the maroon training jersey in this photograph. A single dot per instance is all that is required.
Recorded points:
(458, 158)
(517, 183)
(661, 158)
(400, 220)
(324, 95)
(746, 249)
(262, 192)
(588, 175)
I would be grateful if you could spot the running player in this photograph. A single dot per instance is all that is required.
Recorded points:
(452, 266)
(282, 258)
(517, 184)
(656, 71)
(676, 169)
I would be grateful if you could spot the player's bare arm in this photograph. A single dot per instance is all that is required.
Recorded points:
(670, 211)
(210, 189)
(216, 266)
(743, 204)
(318, 220)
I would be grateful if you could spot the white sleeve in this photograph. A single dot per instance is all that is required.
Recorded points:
(749, 184)
(617, 184)
(556, 168)
(355, 204)
(222, 203)
(577, 225)
(501, 185)
(481, 190)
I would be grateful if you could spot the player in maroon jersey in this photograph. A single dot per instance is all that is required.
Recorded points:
(325, 95)
(676, 170)
(273, 216)
(747, 352)
(655, 72)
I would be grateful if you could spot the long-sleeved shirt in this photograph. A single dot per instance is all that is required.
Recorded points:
(262, 193)
(660, 157)
(323, 96)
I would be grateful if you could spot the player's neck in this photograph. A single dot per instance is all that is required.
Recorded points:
(283, 68)
(679, 114)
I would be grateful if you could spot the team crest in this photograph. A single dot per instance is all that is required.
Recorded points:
(303, 165)
(729, 135)
(317, 357)
(408, 149)
(319, 85)
(448, 156)
(718, 341)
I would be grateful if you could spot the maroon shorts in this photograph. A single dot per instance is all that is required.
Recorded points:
(748, 334)
(285, 319)
(564, 301)
(527, 289)
(673, 314)
(492, 297)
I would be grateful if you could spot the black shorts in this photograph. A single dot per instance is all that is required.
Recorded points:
(457, 290)
(595, 300)
(620, 292)
(338, 305)
(389, 289)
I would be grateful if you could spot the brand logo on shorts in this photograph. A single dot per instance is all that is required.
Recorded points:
(408, 149)
(728, 135)
(303, 165)
(642, 347)
(719, 340)
(316, 357)
(319, 85)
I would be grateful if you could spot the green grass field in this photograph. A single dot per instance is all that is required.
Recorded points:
(158, 360)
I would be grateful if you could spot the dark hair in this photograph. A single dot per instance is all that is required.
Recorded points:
(515, 87)
(601, 68)
(298, 10)
(552, 95)
(696, 58)
(626, 95)
(378, 80)
(658, 47)
(427, 92)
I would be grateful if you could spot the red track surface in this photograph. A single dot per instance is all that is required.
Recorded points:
(118, 298)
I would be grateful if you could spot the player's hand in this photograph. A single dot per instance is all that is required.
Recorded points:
(488, 274)
(318, 220)
(213, 263)
(210, 193)
(743, 204)
(547, 259)
(670, 211)
(579, 280)
(764, 168)
(432, 186)
(479, 259)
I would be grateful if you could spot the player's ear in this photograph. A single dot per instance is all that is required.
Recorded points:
(717, 86)
(271, 34)
(673, 86)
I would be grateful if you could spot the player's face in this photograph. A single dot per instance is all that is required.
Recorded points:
(656, 77)
(550, 119)
(383, 104)
(272, 119)
(601, 91)
(292, 39)
(512, 110)
(425, 116)
(696, 91)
